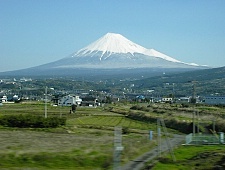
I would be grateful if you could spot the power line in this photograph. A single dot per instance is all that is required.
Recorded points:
(161, 123)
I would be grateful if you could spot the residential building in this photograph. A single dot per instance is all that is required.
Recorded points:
(69, 100)
(90, 101)
(167, 99)
(214, 100)
(3, 98)
(183, 100)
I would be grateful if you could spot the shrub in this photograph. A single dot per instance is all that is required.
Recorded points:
(142, 108)
(183, 127)
(31, 121)
(125, 130)
(135, 107)
(185, 105)
(220, 126)
(160, 111)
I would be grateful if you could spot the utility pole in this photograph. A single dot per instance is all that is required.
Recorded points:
(118, 148)
(198, 122)
(159, 137)
(46, 102)
(194, 91)
(194, 123)
(214, 125)
(173, 92)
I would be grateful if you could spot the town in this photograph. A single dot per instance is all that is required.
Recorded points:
(89, 94)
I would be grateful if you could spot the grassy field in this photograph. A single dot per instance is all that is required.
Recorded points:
(111, 121)
(205, 157)
(86, 142)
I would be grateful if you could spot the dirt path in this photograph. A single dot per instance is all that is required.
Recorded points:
(139, 162)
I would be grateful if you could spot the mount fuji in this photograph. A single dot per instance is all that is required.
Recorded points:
(115, 51)
(110, 53)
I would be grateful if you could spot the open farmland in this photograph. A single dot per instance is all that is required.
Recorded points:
(111, 121)
(86, 142)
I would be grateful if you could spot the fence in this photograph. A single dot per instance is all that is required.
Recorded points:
(205, 139)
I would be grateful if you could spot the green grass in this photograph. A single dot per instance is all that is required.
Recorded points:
(197, 157)
(86, 142)
(25, 148)
(111, 121)
(66, 160)
(37, 108)
(80, 148)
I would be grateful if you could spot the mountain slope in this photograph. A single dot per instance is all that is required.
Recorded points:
(115, 51)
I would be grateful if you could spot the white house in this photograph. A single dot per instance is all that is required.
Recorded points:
(16, 98)
(167, 99)
(69, 100)
(3, 98)
(184, 100)
(214, 100)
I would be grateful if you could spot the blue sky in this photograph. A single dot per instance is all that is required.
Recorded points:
(35, 32)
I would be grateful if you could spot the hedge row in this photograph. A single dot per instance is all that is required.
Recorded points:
(172, 123)
(31, 121)
(183, 127)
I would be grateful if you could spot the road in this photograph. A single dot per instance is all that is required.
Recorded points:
(139, 162)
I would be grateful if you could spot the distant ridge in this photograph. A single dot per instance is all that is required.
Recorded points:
(207, 81)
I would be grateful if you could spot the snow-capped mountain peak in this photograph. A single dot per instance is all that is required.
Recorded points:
(113, 43)
(118, 51)
(116, 43)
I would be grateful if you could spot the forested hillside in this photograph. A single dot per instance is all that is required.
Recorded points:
(206, 82)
